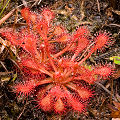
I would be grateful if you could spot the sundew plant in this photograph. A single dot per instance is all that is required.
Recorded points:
(54, 62)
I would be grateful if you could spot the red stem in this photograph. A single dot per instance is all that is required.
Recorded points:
(43, 70)
(48, 53)
(89, 54)
(64, 50)
(45, 81)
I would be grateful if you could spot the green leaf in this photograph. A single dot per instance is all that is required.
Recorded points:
(115, 59)
(14, 77)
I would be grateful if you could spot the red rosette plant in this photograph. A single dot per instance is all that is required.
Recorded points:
(54, 55)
